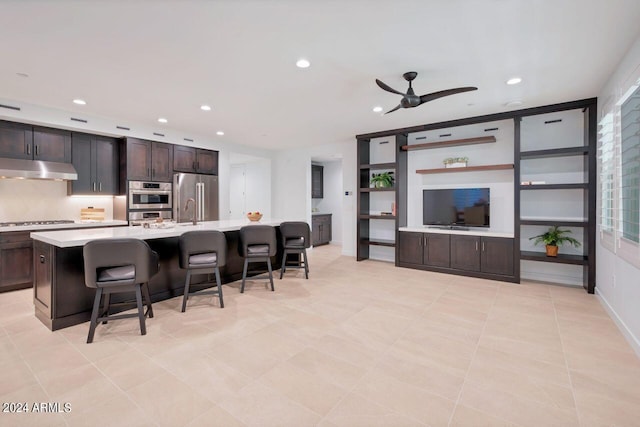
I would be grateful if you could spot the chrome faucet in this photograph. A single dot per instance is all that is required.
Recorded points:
(195, 209)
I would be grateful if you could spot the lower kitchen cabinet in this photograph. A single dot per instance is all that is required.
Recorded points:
(16, 261)
(321, 229)
(478, 256)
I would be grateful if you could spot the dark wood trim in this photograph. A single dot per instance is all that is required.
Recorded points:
(580, 186)
(583, 103)
(556, 152)
(466, 169)
(591, 165)
(377, 166)
(380, 242)
(451, 143)
(559, 223)
(375, 190)
(516, 197)
(560, 259)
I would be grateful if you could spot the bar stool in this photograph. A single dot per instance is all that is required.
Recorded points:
(202, 252)
(257, 244)
(117, 266)
(296, 238)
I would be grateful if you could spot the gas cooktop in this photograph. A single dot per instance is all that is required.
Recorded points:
(44, 222)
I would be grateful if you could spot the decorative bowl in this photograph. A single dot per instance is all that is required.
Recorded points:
(254, 216)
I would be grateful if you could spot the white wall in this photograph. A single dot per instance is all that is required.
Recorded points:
(291, 183)
(617, 281)
(33, 200)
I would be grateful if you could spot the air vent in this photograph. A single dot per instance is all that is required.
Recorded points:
(546, 122)
(420, 137)
(383, 142)
(188, 139)
(158, 134)
(123, 127)
(10, 107)
(75, 119)
(490, 129)
(445, 135)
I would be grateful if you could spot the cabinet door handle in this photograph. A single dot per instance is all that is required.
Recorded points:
(482, 246)
(149, 172)
(476, 246)
(153, 172)
(100, 187)
(426, 242)
(197, 165)
(194, 165)
(94, 187)
(28, 148)
(36, 150)
(42, 259)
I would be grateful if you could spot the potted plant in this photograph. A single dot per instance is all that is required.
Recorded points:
(382, 180)
(553, 238)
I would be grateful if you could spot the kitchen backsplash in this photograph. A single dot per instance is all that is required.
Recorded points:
(33, 200)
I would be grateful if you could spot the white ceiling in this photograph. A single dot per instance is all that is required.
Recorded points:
(140, 60)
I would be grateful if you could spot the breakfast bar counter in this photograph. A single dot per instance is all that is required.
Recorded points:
(61, 298)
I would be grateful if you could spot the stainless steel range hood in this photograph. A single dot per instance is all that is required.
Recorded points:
(37, 169)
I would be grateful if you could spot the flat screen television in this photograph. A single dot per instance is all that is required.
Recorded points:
(456, 207)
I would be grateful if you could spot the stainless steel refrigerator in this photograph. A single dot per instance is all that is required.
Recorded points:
(202, 189)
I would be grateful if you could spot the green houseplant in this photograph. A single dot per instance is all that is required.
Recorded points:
(382, 180)
(553, 238)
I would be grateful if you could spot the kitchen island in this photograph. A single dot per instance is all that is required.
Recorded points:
(61, 298)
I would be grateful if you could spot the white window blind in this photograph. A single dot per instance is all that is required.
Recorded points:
(629, 224)
(607, 158)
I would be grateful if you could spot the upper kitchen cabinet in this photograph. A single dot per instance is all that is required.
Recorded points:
(195, 160)
(16, 140)
(20, 141)
(317, 182)
(53, 145)
(148, 160)
(95, 158)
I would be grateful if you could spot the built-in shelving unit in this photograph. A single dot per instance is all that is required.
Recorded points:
(555, 152)
(466, 169)
(375, 190)
(579, 186)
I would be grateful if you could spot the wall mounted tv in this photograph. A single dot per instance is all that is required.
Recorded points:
(456, 207)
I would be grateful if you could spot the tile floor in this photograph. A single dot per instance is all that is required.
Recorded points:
(358, 344)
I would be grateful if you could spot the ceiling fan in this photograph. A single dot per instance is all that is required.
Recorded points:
(410, 99)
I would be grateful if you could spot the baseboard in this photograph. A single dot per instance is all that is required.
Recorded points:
(631, 339)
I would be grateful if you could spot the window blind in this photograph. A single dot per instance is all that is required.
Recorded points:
(629, 225)
(607, 158)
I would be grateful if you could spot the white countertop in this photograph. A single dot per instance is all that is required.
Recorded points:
(77, 224)
(72, 238)
(473, 232)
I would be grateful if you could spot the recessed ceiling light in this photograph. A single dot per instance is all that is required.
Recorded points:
(162, 120)
(205, 108)
(513, 104)
(514, 81)
(80, 102)
(220, 133)
(303, 63)
(377, 109)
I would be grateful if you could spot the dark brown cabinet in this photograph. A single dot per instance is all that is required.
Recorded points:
(317, 182)
(490, 257)
(43, 283)
(497, 255)
(95, 158)
(465, 252)
(148, 160)
(21, 141)
(16, 140)
(424, 249)
(53, 145)
(321, 229)
(16, 261)
(195, 160)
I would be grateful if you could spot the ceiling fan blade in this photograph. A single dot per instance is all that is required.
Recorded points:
(435, 95)
(387, 88)
(391, 111)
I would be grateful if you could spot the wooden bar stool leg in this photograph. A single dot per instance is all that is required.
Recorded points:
(306, 264)
(186, 290)
(270, 273)
(94, 315)
(145, 289)
(219, 284)
(244, 274)
(283, 268)
(141, 316)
